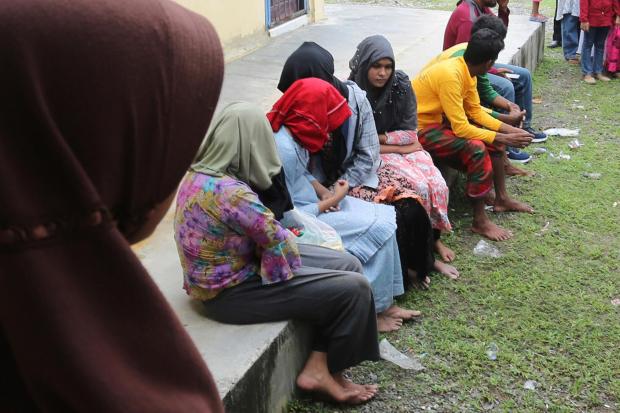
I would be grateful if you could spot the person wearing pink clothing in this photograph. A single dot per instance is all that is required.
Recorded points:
(536, 16)
(596, 17)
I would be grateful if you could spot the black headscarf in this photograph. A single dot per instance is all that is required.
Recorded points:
(394, 106)
(311, 60)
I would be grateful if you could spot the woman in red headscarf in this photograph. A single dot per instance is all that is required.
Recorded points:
(104, 104)
(302, 119)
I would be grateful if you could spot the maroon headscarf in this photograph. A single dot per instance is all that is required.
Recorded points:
(102, 106)
(310, 108)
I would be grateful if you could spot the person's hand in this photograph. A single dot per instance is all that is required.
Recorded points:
(513, 106)
(515, 139)
(618, 20)
(585, 26)
(341, 188)
(501, 71)
(410, 148)
(515, 117)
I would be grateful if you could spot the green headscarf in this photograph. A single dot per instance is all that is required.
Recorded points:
(240, 143)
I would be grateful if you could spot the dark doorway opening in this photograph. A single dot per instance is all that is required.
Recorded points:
(284, 10)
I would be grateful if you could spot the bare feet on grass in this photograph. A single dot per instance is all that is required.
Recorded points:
(386, 324)
(417, 283)
(491, 231)
(368, 390)
(446, 269)
(512, 170)
(444, 252)
(397, 312)
(315, 377)
(508, 204)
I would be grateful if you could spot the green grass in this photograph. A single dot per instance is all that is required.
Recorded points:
(546, 302)
(547, 7)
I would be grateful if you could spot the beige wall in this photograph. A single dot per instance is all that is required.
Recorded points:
(241, 23)
(233, 19)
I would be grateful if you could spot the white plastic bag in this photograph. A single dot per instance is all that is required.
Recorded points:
(311, 230)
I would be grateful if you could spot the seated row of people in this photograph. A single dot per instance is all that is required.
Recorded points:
(358, 156)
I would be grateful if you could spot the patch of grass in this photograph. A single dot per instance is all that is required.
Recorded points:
(516, 6)
(546, 302)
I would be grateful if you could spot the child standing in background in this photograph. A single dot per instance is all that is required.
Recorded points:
(536, 16)
(596, 17)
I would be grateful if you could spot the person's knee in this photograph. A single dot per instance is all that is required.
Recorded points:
(357, 286)
(477, 149)
(352, 263)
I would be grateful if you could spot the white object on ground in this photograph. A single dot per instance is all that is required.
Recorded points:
(592, 175)
(492, 351)
(530, 385)
(562, 132)
(575, 144)
(561, 156)
(484, 249)
(390, 353)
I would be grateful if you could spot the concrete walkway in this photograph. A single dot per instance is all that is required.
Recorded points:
(255, 366)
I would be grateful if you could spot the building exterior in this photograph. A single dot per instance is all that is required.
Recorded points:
(244, 25)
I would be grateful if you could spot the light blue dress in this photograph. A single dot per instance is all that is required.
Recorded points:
(368, 230)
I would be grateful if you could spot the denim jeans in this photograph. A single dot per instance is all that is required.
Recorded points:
(594, 37)
(570, 36)
(518, 90)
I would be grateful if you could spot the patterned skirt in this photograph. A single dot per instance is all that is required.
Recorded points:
(411, 176)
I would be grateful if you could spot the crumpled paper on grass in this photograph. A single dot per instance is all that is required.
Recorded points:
(390, 353)
(562, 132)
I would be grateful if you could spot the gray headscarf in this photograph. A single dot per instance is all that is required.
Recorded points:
(394, 106)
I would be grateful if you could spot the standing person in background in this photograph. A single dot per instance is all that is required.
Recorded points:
(556, 39)
(568, 14)
(104, 105)
(535, 16)
(596, 17)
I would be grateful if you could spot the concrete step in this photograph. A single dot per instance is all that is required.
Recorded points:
(255, 366)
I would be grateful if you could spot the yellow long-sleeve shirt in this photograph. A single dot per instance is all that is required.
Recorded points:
(447, 88)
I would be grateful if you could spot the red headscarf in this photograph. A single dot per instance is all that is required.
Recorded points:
(310, 108)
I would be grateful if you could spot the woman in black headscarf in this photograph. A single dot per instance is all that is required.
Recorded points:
(103, 107)
(407, 172)
(353, 153)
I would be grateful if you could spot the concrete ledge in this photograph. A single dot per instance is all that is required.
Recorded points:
(255, 366)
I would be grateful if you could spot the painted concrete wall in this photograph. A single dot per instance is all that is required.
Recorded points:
(233, 19)
(239, 20)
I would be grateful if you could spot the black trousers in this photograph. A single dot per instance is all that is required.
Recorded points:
(328, 291)
(415, 237)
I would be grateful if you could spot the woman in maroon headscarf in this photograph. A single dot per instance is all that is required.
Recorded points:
(103, 107)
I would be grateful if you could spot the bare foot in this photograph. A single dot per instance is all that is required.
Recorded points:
(512, 170)
(318, 380)
(446, 269)
(368, 390)
(511, 205)
(444, 252)
(491, 231)
(387, 324)
(397, 312)
(417, 283)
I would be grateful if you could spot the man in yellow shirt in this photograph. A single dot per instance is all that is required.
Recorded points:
(447, 101)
